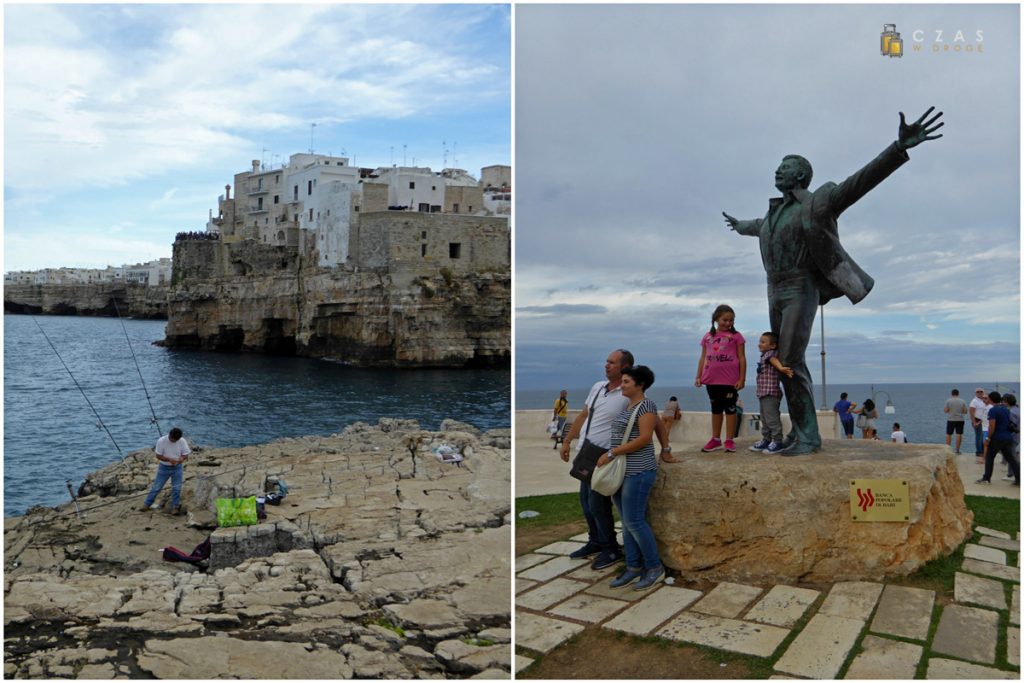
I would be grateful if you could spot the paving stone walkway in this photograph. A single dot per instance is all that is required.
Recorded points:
(862, 629)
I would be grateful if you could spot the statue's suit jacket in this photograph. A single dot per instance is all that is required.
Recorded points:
(835, 273)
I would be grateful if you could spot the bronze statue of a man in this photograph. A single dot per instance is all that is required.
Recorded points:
(807, 266)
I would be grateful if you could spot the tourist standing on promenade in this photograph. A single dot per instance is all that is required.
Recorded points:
(842, 408)
(722, 368)
(867, 424)
(172, 451)
(642, 559)
(999, 440)
(1011, 403)
(671, 413)
(978, 409)
(559, 414)
(956, 412)
(604, 403)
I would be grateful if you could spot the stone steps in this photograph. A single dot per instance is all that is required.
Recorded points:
(863, 629)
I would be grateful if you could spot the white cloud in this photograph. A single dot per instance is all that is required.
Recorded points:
(88, 113)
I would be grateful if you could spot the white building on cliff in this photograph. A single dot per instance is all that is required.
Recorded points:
(313, 203)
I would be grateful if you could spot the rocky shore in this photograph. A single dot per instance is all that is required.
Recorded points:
(381, 562)
(104, 299)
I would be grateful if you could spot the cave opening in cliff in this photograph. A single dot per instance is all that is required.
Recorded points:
(275, 340)
(229, 339)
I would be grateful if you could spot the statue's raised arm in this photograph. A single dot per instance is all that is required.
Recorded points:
(919, 131)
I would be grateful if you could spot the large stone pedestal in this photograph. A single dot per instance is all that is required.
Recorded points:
(757, 517)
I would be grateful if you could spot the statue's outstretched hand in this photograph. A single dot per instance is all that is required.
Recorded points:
(919, 131)
(731, 221)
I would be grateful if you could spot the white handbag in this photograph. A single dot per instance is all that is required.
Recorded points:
(607, 479)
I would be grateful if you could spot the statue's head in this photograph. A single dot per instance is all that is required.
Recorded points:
(793, 172)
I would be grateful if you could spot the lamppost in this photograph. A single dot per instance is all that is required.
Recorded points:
(890, 409)
(1005, 390)
(824, 384)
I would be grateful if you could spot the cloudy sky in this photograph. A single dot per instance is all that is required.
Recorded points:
(123, 123)
(637, 126)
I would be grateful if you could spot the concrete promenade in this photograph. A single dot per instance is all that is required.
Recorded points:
(852, 630)
(539, 471)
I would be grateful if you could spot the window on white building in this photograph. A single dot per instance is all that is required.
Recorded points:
(309, 187)
(454, 250)
(412, 185)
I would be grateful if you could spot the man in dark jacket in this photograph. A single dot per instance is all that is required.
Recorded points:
(808, 267)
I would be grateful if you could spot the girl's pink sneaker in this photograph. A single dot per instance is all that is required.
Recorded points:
(713, 445)
(730, 447)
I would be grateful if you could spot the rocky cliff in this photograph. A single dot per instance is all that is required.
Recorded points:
(250, 297)
(381, 562)
(99, 299)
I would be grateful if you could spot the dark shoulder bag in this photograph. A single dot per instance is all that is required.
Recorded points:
(585, 462)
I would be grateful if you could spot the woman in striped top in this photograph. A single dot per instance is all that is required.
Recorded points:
(642, 559)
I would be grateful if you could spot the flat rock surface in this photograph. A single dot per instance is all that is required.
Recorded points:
(942, 669)
(852, 599)
(586, 607)
(976, 590)
(1013, 645)
(378, 554)
(967, 633)
(716, 521)
(986, 554)
(549, 593)
(1001, 543)
(727, 599)
(725, 634)
(998, 571)
(821, 647)
(782, 606)
(884, 659)
(543, 634)
(646, 615)
(904, 612)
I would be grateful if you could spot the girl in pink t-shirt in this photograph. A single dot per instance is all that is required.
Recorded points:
(723, 370)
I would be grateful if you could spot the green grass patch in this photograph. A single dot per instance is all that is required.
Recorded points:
(385, 623)
(560, 508)
(1001, 514)
(478, 642)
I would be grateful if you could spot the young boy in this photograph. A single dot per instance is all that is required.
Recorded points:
(898, 435)
(769, 393)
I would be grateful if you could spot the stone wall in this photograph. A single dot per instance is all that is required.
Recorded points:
(462, 244)
(96, 299)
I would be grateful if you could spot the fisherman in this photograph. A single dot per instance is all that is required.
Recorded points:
(172, 451)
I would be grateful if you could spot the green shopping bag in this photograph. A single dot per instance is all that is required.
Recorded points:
(236, 511)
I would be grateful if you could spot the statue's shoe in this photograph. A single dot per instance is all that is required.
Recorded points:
(797, 448)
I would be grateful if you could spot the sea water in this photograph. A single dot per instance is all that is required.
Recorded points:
(917, 407)
(51, 433)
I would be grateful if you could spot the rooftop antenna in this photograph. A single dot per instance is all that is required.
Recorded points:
(312, 126)
(263, 160)
(455, 159)
(444, 148)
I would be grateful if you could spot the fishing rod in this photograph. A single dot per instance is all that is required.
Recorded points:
(137, 368)
(94, 412)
